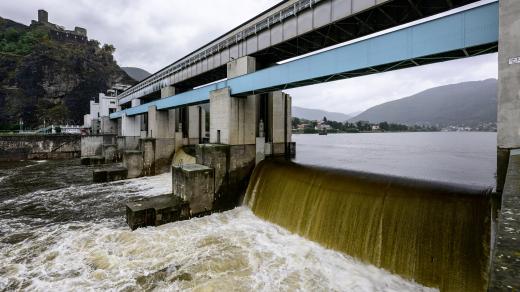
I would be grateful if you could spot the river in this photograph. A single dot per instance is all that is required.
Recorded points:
(459, 157)
(58, 231)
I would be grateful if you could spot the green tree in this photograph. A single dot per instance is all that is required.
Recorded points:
(383, 126)
(295, 122)
(109, 49)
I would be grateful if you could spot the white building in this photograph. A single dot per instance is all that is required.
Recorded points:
(103, 107)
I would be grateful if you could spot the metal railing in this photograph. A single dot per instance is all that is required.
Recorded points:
(263, 24)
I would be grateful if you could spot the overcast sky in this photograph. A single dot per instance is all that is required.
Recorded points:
(151, 34)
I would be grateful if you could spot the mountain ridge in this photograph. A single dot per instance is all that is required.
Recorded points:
(464, 104)
(138, 74)
(317, 114)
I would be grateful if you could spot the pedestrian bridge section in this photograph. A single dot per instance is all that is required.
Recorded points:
(468, 32)
(290, 29)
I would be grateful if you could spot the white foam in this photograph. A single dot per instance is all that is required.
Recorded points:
(234, 249)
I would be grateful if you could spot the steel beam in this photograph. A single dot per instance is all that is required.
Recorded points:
(475, 27)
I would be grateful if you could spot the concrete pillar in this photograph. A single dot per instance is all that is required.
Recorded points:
(232, 119)
(508, 85)
(280, 116)
(130, 126)
(158, 123)
(241, 66)
(196, 122)
(171, 128)
(119, 127)
(108, 126)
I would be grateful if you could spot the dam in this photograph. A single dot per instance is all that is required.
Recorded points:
(196, 158)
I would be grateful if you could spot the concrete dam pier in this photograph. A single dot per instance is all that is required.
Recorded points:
(223, 109)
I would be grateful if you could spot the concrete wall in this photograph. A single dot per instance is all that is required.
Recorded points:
(133, 161)
(508, 117)
(157, 155)
(505, 266)
(194, 183)
(509, 75)
(233, 165)
(21, 147)
(127, 143)
(92, 145)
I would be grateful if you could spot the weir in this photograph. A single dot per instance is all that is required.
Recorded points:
(434, 233)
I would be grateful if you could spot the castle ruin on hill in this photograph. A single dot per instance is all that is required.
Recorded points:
(58, 32)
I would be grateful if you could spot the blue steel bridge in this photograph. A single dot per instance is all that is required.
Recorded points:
(467, 32)
(287, 30)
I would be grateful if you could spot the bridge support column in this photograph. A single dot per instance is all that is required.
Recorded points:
(158, 123)
(130, 126)
(508, 86)
(196, 124)
(159, 145)
(505, 266)
(279, 122)
(233, 120)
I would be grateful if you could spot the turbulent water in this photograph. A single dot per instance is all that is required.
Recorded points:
(59, 232)
(437, 234)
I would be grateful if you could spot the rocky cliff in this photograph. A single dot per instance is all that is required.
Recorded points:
(52, 81)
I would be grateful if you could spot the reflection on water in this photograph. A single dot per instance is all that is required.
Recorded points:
(460, 157)
(59, 232)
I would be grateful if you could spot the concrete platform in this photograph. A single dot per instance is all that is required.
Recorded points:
(195, 183)
(92, 160)
(109, 174)
(109, 152)
(156, 211)
(133, 161)
(505, 266)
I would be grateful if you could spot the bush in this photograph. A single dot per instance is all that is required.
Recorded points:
(309, 131)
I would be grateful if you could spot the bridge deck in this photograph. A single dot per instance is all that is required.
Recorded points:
(289, 29)
(464, 33)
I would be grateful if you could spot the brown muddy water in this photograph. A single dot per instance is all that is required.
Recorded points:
(60, 232)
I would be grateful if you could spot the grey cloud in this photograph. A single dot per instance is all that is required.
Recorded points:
(153, 33)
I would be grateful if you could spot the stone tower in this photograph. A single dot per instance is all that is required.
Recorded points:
(43, 16)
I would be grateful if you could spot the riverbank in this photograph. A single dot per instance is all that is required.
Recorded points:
(39, 147)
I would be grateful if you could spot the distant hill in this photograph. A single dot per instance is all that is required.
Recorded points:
(316, 114)
(137, 74)
(467, 103)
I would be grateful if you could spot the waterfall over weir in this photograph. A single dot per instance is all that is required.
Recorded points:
(434, 233)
